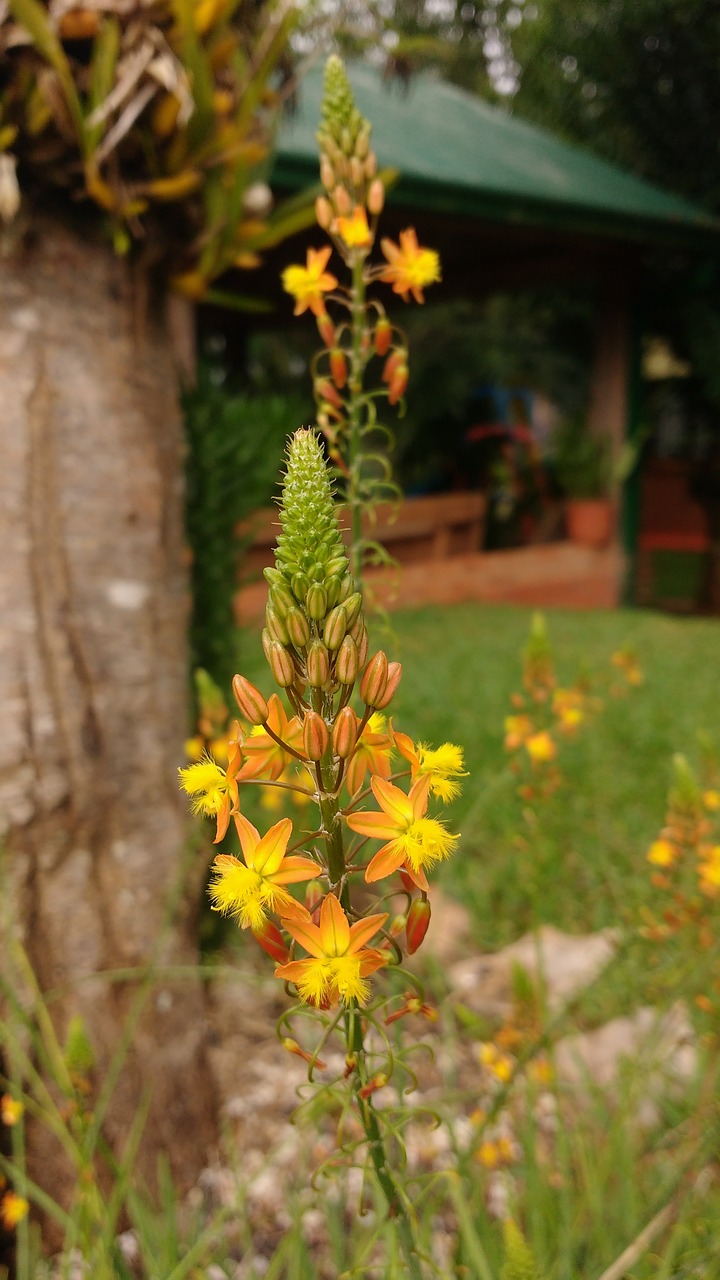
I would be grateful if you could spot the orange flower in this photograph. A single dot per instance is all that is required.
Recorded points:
(354, 231)
(372, 754)
(308, 284)
(410, 267)
(517, 731)
(13, 1209)
(214, 790)
(443, 765)
(262, 756)
(11, 1109)
(413, 841)
(252, 890)
(339, 962)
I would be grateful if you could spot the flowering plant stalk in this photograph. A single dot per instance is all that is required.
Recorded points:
(354, 196)
(329, 948)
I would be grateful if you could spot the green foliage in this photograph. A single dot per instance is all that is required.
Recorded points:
(519, 1263)
(582, 460)
(235, 447)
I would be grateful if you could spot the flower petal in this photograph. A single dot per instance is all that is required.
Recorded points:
(418, 796)
(294, 869)
(370, 823)
(363, 930)
(270, 851)
(386, 861)
(302, 929)
(334, 927)
(249, 837)
(393, 801)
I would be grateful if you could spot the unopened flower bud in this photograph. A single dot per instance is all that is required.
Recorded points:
(324, 390)
(251, 703)
(300, 584)
(376, 197)
(362, 142)
(316, 602)
(407, 884)
(357, 171)
(337, 565)
(280, 598)
(417, 924)
(338, 367)
(393, 680)
(374, 681)
(317, 665)
(398, 384)
(324, 212)
(347, 662)
(342, 202)
(315, 736)
(269, 937)
(335, 627)
(298, 627)
(370, 166)
(292, 1046)
(345, 733)
(350, 1064)
(347, 586)
(276, 625)
(313, 895)
(382, 336)
(352, 606)
(346, 141)
(396, 926)
(327, 176)
(396, 358)
(326, 329)
(281, 665)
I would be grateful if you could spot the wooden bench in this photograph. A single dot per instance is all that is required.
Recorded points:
(414, 530)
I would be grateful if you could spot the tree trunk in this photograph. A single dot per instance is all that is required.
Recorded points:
(93, 675)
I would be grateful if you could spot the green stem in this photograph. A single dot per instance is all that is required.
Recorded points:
(397, 1207)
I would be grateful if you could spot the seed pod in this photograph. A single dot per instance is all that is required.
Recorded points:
(417, 924)
(338, 367)
(347, 661)
(317, 665)
(393, 680)
(269, 937)
(345, 733)
(353, 605)
(376, 197)
(372, 685)
(253, 706)
(335, 627)
(298, 627)
(281, 665)
(316, 602)
(383, 334)
(315, 736)
(276, 625)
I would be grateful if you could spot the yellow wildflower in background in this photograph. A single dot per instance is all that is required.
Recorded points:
(13, 1209)
(711, 800)
(517, 731)
(250, 891)
(662, 853)
(540, 747)
(414, 841)
(339, 962)
(709, 870)
(410, 267)
(308, 284)
(11, 1109)
(443, 765)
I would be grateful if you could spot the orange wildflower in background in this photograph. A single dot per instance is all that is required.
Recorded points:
(410, 267)
(13, 1209)
(251, 890)
(11, 1109)
(414, 841)
(339, 962)
(308, 284)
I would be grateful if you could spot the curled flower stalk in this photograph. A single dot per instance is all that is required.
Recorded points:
(359, 331)
(373, 827)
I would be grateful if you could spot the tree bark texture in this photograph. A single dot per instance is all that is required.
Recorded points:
(93, 675)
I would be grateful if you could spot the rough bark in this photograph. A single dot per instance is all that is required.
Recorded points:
(93, 676)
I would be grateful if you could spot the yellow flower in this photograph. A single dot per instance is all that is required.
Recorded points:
(711, 800)
(11, 1109)
(662, 853)
(517, 731)
(13, 1209)
(214, 790)
(443, 765)
(498, 1064)
(339, 961)
(372, 754)
(410, 267)
(194, 747)
(488, 1153)
(540, 747)
(354, 231)
(251, 890)
(710, 872)
(308, 284)
(414, 842)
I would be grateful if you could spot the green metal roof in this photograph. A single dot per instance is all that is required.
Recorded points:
(457, 155)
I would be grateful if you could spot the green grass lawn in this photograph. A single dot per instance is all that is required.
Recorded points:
(582, 865)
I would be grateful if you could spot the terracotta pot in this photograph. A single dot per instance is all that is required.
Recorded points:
(589, 521)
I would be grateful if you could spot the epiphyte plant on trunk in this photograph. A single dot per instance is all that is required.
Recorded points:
(348, 211)
(328, 948)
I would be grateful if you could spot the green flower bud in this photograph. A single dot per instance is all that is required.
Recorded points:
(335, 627)
(299, 584)
(281, 599)
(316, 602)
(317, 665)
(352, 606)
(298, 627)
(310, 549)
(315, 736)
(276, 625)
(281, 665)
(347, 662)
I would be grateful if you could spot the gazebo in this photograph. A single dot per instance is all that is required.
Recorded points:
(510, 205)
